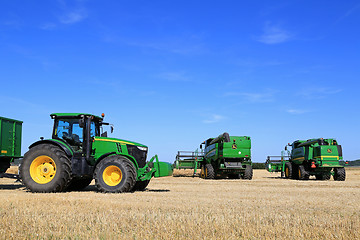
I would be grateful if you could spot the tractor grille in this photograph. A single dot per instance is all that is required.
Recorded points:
(138, 154)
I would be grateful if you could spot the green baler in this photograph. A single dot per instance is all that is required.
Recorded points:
(318, 157)
(223, 156)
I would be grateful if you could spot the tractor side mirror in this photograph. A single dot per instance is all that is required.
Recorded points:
(285, 148)
(81, 123)
(200, 146)
(111, 129)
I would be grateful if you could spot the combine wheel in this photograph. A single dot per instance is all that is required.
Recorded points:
(141, 185)
(209, 171)
(45, 168)
(79, 184)
(115, 174)
(339, 174)
(323, 176)
(288, 170)
(248, 172)
(302, 173)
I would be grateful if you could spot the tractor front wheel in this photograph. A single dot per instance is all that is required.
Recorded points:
(248, 172)
(339, 174)
(45, 168)
(115, 174)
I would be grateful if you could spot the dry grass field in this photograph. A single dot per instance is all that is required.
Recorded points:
(266, 207)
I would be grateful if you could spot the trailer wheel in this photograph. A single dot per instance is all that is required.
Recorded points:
(248, 174)
(79, 184)
(302, 173)
(45, 168)
(288, 170)
(141, 185)
(115, 174)
(339, 174)
(209, 171)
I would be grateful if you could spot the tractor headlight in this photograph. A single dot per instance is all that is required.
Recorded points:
(142, 148)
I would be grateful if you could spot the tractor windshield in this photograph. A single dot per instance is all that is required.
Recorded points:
(70, 131)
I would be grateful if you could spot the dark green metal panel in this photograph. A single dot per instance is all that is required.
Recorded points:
(10, 137)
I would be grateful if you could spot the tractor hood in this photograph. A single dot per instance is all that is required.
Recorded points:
(117, 140)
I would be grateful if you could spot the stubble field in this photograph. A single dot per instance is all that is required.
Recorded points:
(266, 207)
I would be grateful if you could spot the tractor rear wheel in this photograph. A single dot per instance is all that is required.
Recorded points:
(45, 168)
(79, 184)
(288, 170)
(115, 174)
(209, 171)
(141, 185)
(248, 174)
(339, 174)
(302, 173)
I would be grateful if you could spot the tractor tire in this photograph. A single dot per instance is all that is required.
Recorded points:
(288, 170)
(323, 176)
(248, 174)
(209, 171)
(339, 174)
(141, 185)
(45, 168)
(302, 173)
(79, 184)
(115, 174)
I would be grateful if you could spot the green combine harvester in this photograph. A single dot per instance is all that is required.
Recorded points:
(314, 157)
(220, 157)
(78, 152)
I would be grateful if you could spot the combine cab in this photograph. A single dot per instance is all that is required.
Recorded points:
(314, 157)
(223, 156)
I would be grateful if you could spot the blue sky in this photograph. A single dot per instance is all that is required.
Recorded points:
(170, 74)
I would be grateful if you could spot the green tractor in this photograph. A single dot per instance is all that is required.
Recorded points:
(78, 152)
(314, 157)
(223, 156)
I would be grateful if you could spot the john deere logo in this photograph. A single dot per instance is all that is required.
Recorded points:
(329, 150)
(234, 146)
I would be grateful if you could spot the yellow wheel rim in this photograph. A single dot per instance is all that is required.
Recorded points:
(287, 172)
(206, 172)
(202, 174)
(112, 175)
(299, 173)
(43, 169)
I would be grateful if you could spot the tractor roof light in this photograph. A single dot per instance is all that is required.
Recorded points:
(103, 115)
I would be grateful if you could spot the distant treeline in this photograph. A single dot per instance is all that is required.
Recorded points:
(353, 163)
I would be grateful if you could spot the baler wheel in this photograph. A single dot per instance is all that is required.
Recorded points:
(339, 174)
(79, 184)
(302, 173)
(115, 174)
(141, 185)
(288, 170)
(209, 171)
(45, 168)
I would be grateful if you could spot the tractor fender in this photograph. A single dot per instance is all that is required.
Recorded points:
(63, 146)
(131, 158)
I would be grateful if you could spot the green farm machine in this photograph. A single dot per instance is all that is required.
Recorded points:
(223, 156)
(318, 157)
(79, 151)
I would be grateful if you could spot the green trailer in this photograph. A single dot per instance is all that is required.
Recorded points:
(317, 157)
(220, 157)
(10, 142)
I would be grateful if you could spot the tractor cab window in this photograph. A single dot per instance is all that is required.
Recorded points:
(94, 130)
(70, 131)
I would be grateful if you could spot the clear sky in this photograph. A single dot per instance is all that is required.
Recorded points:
(170, 74)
